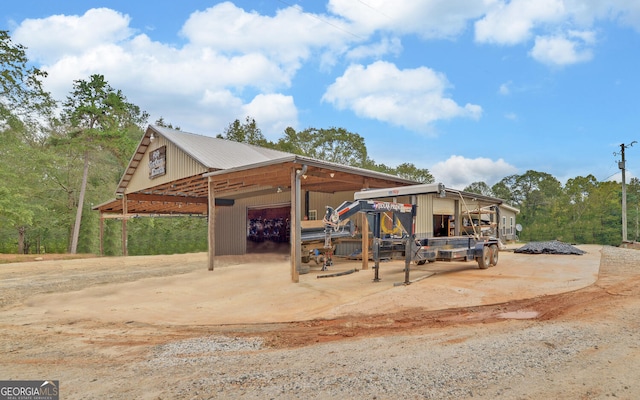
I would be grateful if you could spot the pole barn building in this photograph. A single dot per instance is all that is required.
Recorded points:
(179, 173)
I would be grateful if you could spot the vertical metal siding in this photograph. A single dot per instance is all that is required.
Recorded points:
(231, 228)
(179, 165)
(424, 219)
(319, 201)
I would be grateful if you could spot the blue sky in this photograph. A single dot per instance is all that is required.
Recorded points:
(471, 90)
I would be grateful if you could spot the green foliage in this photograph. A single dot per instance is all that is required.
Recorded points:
(22, 98)
(583, 211)
(173, 235)
(247, 132)
(334, 145)
(98, 119)
(479, 188)
(50, 167)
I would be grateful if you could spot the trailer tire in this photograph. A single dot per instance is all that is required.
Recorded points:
(421, 262)
(484, 261)
(494, 254)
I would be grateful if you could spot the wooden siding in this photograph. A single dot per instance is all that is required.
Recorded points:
(179, 165)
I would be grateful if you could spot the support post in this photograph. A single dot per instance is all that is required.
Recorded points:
(101, 234)
(296, 231)
(211, 225)
(623, 167)
(365, 241)
(125, 251)
(407, 259)
(376, 247)
(624, 196)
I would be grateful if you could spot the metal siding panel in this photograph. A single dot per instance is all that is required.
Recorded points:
(179, 165)
(231, 230)
(424, 219)
(319, 201)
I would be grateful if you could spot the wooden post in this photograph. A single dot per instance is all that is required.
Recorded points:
(125, 251)
(101, 234)
(294, 234)
(211, 225)
(365, 241)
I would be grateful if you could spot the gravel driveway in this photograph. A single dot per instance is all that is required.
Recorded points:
(577, 345)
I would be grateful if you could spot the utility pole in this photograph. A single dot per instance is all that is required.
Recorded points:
(622, 166)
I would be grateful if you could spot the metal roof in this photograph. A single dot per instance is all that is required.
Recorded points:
(237, 170)
(215, 153)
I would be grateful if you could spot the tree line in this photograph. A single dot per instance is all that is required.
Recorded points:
(60, 158)
(583, 210)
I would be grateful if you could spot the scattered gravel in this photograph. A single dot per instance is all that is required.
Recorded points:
(552, 247)
(428, 367)
(465, 362)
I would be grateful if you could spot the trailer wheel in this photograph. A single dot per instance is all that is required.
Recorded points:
(484, 261)
(421, 262)
(494, 254)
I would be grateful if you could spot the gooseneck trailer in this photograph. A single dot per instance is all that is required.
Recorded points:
(404, 244)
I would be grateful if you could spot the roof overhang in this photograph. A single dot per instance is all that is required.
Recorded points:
(189, 195)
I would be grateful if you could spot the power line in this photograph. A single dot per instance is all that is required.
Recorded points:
(374, 9)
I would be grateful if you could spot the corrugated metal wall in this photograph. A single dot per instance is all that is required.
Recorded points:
(179, 165)
(231, 222)
(424, 219)
(319, 201)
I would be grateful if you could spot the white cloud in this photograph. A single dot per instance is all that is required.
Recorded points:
(428, 19)
(458, 172)
(513, 22)
(286, 38)
(412, 98)
(61, 35)
(562, 50)
(505, 88)
(230, 56)
(376, 50)
(275, 112)
(193, 86)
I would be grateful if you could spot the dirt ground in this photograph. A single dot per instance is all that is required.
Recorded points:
(84, 321)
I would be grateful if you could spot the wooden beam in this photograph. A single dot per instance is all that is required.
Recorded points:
(167, 198)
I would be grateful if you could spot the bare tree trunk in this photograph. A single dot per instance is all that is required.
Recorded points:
(83, 189)
(21, 232)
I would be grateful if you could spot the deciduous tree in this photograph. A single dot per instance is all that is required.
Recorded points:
(98, 118)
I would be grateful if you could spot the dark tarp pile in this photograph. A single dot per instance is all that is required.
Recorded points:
(552, 247)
